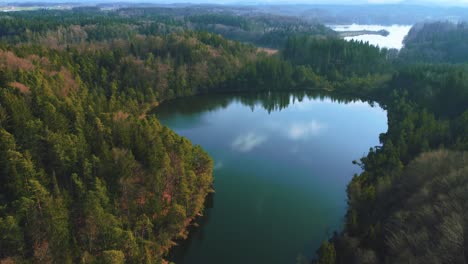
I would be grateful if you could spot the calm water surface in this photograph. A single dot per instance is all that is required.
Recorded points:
(393, 40)
(281, 170)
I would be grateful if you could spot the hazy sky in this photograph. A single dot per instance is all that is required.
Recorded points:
(417, 2)
(425, 2)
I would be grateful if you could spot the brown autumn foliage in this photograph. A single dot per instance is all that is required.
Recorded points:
(10, 61)
(21, 87)
(69, 82)
(424, 220)
(60, 38)
(214, 52)
(7, 261)
(162, 75)
(42, 252)
(120, 115)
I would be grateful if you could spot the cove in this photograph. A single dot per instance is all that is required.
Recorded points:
(282, 164)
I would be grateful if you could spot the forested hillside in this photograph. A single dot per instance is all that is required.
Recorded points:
(315, 63)
(87, 175)
(91, 24)
(263, 30)
(417, 124)
(407, 12)
(407, 206)
(436, 42)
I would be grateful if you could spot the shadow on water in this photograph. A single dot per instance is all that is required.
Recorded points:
(270, 101)
(196, 232)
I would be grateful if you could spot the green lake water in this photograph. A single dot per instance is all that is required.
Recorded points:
(282, 163)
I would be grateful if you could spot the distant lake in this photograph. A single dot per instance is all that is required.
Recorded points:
(393, 40)
(282, 164)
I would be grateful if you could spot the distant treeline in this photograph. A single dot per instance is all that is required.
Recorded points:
(91, 24)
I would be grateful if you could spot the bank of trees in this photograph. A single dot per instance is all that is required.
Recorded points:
(335, 57)
(406, 206)
(92, 24)
(85, 180)
(436, 42)
(260, 29)
(312, 63)
(86, 175)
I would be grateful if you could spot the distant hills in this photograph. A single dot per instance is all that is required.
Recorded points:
(433, 3)
(332, 12)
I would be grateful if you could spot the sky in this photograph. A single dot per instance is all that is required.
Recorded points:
(426, 2)
(416, 2)
(422, 2)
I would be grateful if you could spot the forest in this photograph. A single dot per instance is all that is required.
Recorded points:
(265, 30)
(407, 204)
(437, 42)
(87, 176)
(90, 176)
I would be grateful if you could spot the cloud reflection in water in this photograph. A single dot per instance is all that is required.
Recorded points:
(298, 131)
(249, 141)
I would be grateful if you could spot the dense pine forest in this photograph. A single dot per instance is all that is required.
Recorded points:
(91, 24)
(88, 175)
(408, 204)
(437, 42)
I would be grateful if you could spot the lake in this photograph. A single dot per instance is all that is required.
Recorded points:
(393, 40)
(282, 163)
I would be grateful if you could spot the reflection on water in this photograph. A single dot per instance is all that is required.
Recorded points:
(247, 142)
(282, 162)
(394, 40)
(270, 101)
(303, 130)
